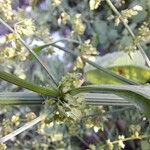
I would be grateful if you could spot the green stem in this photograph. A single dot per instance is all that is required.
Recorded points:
(107, 71)
(39, 48)
(28, 85)
(129, 30)
(31, 51)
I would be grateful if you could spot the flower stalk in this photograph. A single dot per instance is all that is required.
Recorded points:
(129, 30)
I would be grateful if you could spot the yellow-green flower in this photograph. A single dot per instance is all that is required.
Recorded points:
(2, 146)
(143, 34)
(109, 144)
(77, 25)
(15, 120)
(64, 17)
(6, 9)
(127, 13)
(9, 52)
(120, 141)
(30, 116)
(94, 4)
(87, 49)
(10, 37)
(56, 2)
(25, 27)
(70, 81)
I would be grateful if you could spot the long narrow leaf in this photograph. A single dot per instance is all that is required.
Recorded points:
(105, 70)
(28, 85)
(31, 98)
(20, 98)
(138, 95)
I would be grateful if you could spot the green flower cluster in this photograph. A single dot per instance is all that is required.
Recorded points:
(70, 81)
(77, 25)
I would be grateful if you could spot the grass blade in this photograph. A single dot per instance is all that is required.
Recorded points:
(31, 98)
(138, 95)
(20, 98)
(28, 85)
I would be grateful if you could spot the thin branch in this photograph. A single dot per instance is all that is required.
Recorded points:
(21, 129)
(129, 30)
(67, 40)
(31, 51)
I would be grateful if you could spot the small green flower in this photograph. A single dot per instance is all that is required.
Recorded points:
(120, 141)
(94, 4)
(64, 17)
(30, 116)
(143, 34)
(15, 119)
(25, 27)
(56, 2)
(109, 144)
(70, 81)
(77, 25)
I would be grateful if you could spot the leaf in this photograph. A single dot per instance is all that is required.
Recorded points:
(110, 74)
(37, 50)
(118, 59)
(135, 73)
(121, 63)
(22, 83)
(138, 95)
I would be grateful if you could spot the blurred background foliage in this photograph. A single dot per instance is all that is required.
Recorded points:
(96, 34)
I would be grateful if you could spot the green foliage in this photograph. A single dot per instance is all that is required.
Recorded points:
(86, 30)
(135, 73)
